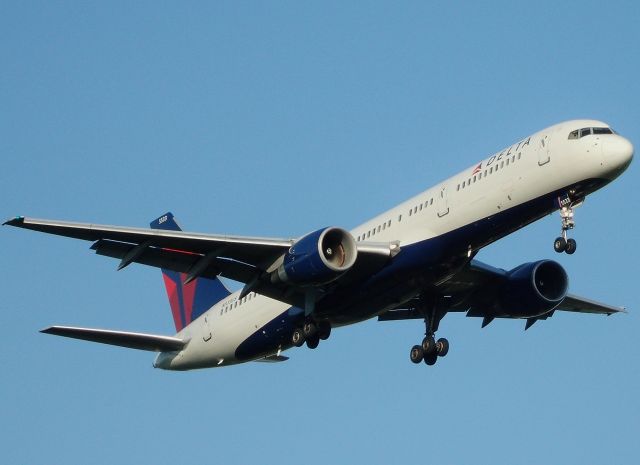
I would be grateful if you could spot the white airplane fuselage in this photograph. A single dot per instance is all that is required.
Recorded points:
(435, 230)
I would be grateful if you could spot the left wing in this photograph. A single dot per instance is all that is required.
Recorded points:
(460, 291)
(574, 303)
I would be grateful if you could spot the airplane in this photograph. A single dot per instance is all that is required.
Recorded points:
(414, 261)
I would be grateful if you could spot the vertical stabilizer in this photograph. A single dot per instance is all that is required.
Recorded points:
(188, 301)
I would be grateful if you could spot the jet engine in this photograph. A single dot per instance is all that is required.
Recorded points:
(532, 289)
(318, 258)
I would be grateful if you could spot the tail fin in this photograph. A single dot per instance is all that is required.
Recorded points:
(188, 301)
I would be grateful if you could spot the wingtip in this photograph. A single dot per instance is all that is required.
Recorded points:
(47, 330)
(620, 310)
(15, 221)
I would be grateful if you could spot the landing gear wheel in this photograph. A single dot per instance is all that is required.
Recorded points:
(324, 330)
(560, 244)
(430, 359)
(309, 329)
(417, 354)
(571, 246)
(442, 347)
(297, 338)
(313, 342)
(428, 345)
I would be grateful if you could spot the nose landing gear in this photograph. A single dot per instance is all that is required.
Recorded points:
(562, 243)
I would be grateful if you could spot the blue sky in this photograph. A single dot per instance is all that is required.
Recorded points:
(275, 119)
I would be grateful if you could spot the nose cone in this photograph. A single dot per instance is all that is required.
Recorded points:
(618, 152)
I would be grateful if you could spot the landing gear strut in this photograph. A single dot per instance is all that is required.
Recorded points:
(430, 349)
(562, 244)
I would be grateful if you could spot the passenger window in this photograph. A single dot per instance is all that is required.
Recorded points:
(420, 207)
(431, 201)
(491, 170)
(384, 226)
(519, 155)
(474, 179)
(368, 234)
(507, 162)
(573, 134)
(458, 187)
(585, 132)
(379, 228)
(463, 184)
(399, 218)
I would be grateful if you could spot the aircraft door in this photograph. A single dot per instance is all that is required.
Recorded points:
(443, 202)
(544, 151)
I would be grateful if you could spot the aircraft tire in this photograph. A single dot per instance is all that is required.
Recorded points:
(309, 329)
(297, 338)
(428, 345)
(560, 244)
(571, 246)
(442, 347)
(313, 342)
(431, 359)
(324, 330)
(416, 355)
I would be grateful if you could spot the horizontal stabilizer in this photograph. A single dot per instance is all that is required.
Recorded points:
(139, 341)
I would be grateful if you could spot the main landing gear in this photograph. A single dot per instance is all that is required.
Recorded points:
(562, 244)
(311, 333)
(430, 349)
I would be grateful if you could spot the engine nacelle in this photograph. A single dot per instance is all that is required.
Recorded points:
(318, 258)
(532, 289)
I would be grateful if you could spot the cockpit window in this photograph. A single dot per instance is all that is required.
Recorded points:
(578, 133)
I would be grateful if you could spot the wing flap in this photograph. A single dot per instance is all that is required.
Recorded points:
(141, 341)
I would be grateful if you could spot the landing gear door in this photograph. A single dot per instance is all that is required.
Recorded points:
(443, 202)
(544, 151)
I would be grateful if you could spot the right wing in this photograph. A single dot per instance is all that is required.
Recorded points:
(244, 259)
(141, 341)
